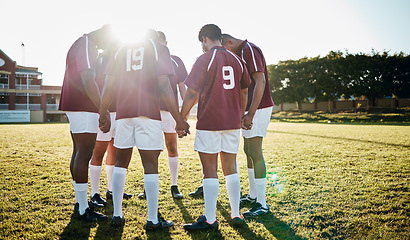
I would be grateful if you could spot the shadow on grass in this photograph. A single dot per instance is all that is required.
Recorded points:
(105, 228)
(279, 229)
(342, 138)
(185, 214)
(77, 229)
(162, 234)
(207, 234)
(210, 234)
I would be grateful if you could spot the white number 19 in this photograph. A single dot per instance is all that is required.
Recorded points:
(227, 73)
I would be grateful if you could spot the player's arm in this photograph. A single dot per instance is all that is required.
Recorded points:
(167, 96)
(244, 95)
(182, 89)
(182, 92)
(246, 120)
(106, 100)
(90, 86)
(260, 81)
(191, 98)
(259, 78)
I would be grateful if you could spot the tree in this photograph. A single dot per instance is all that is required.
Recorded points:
(337, 75)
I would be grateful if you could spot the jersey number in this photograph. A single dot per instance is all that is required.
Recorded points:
(135, 59)
(227, 73)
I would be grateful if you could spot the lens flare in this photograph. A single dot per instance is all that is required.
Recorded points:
(275, 182)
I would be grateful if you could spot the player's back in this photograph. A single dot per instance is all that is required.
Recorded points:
(220, 95)
(81, 56)
(255, 62)
(136, 68)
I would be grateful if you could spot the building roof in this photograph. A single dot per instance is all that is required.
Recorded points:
(27, 70)
(6, 55)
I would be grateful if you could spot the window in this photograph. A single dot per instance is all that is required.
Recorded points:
(4, 79)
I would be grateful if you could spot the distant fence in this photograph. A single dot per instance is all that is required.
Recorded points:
(348, 105)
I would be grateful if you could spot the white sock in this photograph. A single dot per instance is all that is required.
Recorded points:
(237, 168)
(251, 177)
(173, 168)
(233, 187)
(108, 170)
(76, 200)
(260, 186)
(151, 184)
(211, 191)
(95, 174)
(118, 183)
(81, 195)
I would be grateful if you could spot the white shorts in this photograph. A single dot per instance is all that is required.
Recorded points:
(83, 122)
(106, 137)
(260, 123)
(142, 132)
(168, 122)
(217, 141)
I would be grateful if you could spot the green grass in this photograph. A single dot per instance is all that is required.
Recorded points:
(325, 181)
(399, 117)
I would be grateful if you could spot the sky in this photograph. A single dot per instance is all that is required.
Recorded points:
(284, 30)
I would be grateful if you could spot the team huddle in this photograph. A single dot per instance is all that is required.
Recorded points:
(117, 97)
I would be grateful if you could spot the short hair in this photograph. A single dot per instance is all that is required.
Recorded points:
(152, 34)
(161, 36)
(211, 31)
(226, 37)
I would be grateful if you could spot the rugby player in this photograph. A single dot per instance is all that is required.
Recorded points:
(80, 99)
(219, 81)
(139, 74)
(258, 112)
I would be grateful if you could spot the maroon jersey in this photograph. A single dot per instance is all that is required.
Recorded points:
(81, 56)
(136, 68)
(179, 76)
(100, 74)
(219, 76)
(255, 62)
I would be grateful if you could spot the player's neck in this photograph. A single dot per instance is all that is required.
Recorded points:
(214, 44)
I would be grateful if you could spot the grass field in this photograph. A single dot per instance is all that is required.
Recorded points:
(325, 181)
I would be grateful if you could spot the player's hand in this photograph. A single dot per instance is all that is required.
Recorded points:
(247, 122)
(104, 122)
(182, 129)
(186, 117)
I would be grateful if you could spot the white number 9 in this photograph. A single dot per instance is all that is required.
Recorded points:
(137, 55)
(227, 73)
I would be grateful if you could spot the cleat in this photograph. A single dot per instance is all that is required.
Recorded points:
(160, 225)
(175, 192)
(98, 200)
(76, 207)
(256, 210)
(91, 216)
(198, 193)
(90, 205)
(238, 222)
(142, 195)
(94, 205)
(117, 221)
(125, 196)
(246, 199)
(201, 224)
(108, 195)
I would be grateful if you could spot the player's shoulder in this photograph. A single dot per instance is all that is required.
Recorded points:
(176, 58)
(205, 56)
(251, 47)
